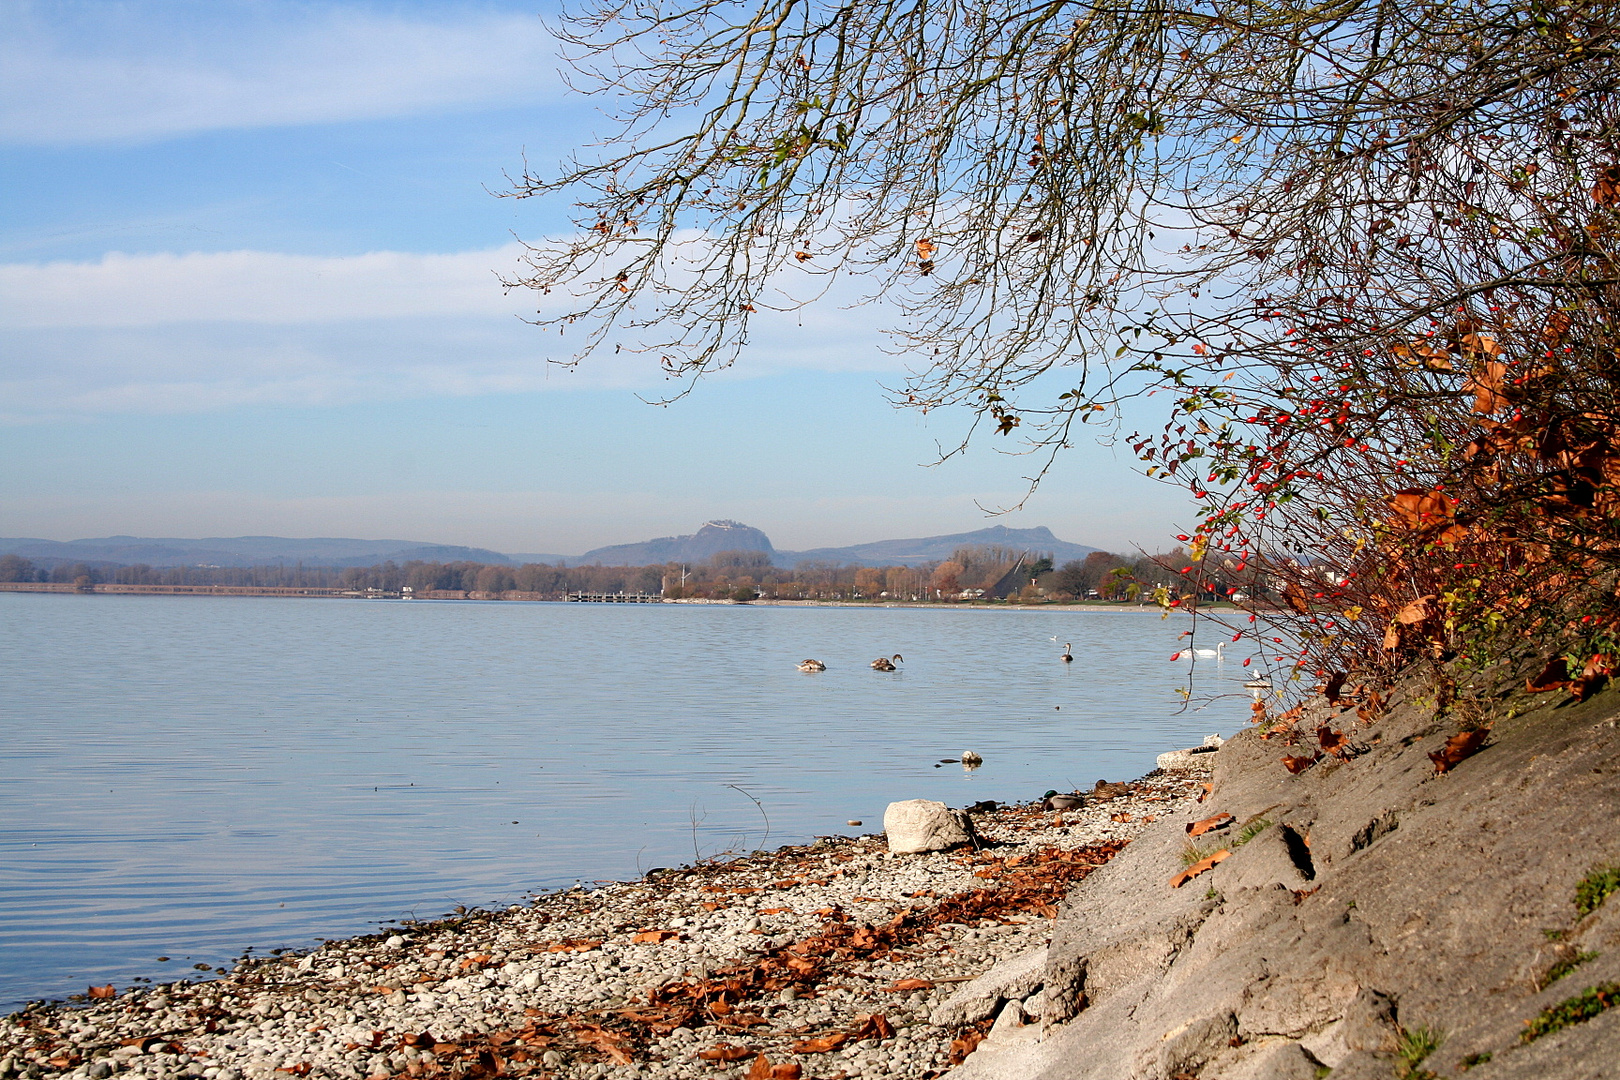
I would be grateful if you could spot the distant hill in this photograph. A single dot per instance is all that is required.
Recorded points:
(1038, 540)
(241, 551)
(713, 538)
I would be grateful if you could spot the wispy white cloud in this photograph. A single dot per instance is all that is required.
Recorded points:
(171, 333)
(254, 287)
(83, 73)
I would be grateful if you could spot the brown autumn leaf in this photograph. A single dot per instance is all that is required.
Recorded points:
(1208, 787)
(724, 1052)
(1422, 354)
(1555, 676)
(1421, 510)
(1461, 745)
(1333, 742)
(1415, 612)
(99, 992)
(876, 1026)
(926, 249)
(1296, 598)
(654, 936)
(1486, 384)
(1392, 637)
(762, 1069)
(1606, 192)
(1334, 686)
(823, 1045)
(802, 256)
(606, 1041)
(1297, 765)
(910, 984)
(961, 1048)
(1202, 866)
(1219, 821)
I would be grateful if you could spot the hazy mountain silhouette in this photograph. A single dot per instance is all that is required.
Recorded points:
(242, 551)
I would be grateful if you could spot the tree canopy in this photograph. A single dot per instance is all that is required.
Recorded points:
(1365, 247)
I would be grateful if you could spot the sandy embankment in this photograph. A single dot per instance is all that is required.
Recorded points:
(831, 960)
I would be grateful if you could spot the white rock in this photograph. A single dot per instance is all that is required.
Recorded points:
(924, 825)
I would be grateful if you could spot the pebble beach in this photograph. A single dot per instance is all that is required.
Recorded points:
(836, 959)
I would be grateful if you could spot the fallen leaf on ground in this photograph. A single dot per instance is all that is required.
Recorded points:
(823, 1045)
(1199, 828)
(910, 984)
(1333, 742)
(1297, 765)
(762, 1069)
(102, 991)
(877, 1026)
(961, 1048)
(724, 1052)
(654, 936)
(1200, 867)
(1462, 745)
(608, 1042)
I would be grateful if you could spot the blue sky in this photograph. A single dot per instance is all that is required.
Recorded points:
(247, 286)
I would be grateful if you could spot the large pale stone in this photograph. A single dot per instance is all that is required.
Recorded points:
(1010, 980)
(925, 825)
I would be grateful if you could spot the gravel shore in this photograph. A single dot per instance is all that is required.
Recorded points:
(826, 960)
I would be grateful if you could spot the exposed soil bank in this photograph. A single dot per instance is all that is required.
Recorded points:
(1378, 919)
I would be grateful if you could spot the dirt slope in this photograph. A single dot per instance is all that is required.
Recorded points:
(1381, 903)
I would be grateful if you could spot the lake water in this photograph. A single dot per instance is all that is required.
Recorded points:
(186, 777)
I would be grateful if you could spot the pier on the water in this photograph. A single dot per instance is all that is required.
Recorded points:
(614, 598)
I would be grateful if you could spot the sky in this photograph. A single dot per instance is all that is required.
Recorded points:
(248, 285)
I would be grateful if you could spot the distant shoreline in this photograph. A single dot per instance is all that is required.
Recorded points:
(106, 589)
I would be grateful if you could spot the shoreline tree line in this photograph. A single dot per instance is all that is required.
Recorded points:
(970, 574)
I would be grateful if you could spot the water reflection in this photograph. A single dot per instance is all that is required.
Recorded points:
(189, 776)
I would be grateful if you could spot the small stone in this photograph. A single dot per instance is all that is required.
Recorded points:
(551, 1059)
(99, 1070)
(395, 942)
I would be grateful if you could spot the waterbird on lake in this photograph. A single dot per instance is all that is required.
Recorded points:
(812, 665)
(1068, 657)
(883, 663)
(1218, 653)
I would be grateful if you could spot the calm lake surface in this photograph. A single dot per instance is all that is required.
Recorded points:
(186, 777)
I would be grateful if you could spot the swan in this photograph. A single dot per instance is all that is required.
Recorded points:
(1068, 657)
(1218, 653)
(812, 665)
(883, 663)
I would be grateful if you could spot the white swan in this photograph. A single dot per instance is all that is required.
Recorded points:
(1217, 653)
